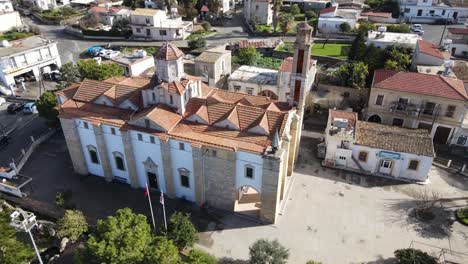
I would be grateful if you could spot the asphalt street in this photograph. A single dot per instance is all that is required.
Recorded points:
(433, 33)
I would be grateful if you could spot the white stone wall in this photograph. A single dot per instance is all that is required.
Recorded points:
(425, 59)
(182, 159)
(87, 138)
(139, 67)
(332, 24)
(142, 151)
(114, 144)
(9, 21)
(245, 86)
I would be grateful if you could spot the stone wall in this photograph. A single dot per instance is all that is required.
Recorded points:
(271, 186)
(102, 150)
(74, 145)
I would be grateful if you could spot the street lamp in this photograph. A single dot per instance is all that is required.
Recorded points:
(25, 221)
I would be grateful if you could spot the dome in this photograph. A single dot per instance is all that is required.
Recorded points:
(169, 52)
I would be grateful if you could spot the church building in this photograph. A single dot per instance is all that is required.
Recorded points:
(173, 132)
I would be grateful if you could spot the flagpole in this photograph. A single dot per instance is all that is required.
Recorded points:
(151, 206)
(164, 209)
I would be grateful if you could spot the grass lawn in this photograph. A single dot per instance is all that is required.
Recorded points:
(462, 215)
(149, 50)
(199, 34)
(14, 35)
(269, 62)
(332, 50)
(264, 28)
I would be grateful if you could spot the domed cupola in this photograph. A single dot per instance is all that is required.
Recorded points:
(169, 64)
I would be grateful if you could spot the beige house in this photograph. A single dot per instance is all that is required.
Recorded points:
(212, 65)
(155, 24)
(259, 11)
(415, 100)
(192, 141)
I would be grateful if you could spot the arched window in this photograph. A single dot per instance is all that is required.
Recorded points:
(119, 161)
(93, 156)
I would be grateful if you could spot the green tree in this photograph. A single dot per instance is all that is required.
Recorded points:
(214, 6)
(310, 14)
(122, 24)
(123, 238)
(197, 43)
(390, 6)
(69, 73)
(401, 61)
(343, 74)
(358, 48)
(46, 107)
(327, 5)
(134, 3)
(181, 231)
(12, 250)
(248, 56)
(345, 27)
(286, 22)
(401, 28)
(91, 69)
(163, 251)
(197, 256)
(414, 256)
(264, 251)
(358, 75)
(72, 225)
(294, 10)
(391, 65)
(365, 26)
(206, 26)
(313, 262)
(277, 4)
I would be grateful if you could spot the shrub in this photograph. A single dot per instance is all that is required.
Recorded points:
(310, 14)
(345, 27)
(313, 262)
(197, 43)
(414, 256)
(248, 56)
(197, 256)
(206, 26)
(462, 215)
(72, 225)
(46, 108)
(181, 231)
(265, 252)
(294, 10)
(63, 199)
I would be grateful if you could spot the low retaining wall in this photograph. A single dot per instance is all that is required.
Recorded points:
(35, 142)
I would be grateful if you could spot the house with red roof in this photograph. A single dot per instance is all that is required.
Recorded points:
(415, 100)
(110, 14)
(459, 41)
(428, 54)
(332, 17)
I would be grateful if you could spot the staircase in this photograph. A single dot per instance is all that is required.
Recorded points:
(357, 163)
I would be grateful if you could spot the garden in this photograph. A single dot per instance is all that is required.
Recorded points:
(14, 35)
(287, 18)
(204, 31)
(339, 51)
(58, 14)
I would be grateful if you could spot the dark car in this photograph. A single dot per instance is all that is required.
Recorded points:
(4, 139)
(15, 107)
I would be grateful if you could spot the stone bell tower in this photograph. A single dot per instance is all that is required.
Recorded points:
(302, 66)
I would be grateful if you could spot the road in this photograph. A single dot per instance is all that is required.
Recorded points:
(21, 128)
(433, 33)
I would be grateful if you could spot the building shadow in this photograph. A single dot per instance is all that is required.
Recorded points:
(453, 179)
(226, 260)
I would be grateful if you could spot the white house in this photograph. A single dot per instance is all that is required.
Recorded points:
(9, 18)
(199, 143)
(377, 150)
(28, 55)
(154, 24)
(110, 14)
(135, 64)
(428, 54)
(332, 17)
(379, 17)
(212, 65)
(47, 4)
(459, 41)
(259, 11)
(385, 39)
(429, 11)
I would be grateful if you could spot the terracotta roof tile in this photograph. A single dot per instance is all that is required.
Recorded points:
(415, 141)
(377, 14)
(259, 43)
(458, 31)
(169, 52)
(69, 92)
(330, 9)
(105, 10)
(430, 49)
(419, 83)
(162, 115)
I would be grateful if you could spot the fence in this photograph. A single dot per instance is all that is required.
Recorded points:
(452, 165)
(25, 154)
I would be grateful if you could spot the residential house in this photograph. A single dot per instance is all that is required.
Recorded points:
(267, 82)
(430, 11)
(258, 11)
(189, 140)
(332, 17)
(459, 41)
(213, 65)
(379, 17)
(46, 4)
(9, 18)
(428, 54)
(135, 64)
(385, 39)
(27, 56)
(110, 14)
(376, 149)
(415, 100)
(154, 24)
(263, 46)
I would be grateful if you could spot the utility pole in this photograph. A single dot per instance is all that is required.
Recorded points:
(445, 27)
(26, 225)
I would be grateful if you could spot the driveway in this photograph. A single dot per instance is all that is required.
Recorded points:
(433, 33)
(337, 217)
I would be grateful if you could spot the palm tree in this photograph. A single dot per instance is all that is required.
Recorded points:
(276, 9)
(214, 6)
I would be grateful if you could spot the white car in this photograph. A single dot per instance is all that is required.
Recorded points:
(418, 31)
(111, 54)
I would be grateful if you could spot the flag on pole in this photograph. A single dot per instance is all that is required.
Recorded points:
(147, 194)
(161, 199)
(146, 190)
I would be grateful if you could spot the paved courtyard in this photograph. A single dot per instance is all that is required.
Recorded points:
(338, 217)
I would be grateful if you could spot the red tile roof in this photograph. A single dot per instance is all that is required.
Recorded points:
(204, 9)
(418, 83)
(330, 9)
(105, 10)
(350, 116)
(287, 65)
(169, 52)
(458, 31)
(258, 44)
(430, 49)
(377, 14)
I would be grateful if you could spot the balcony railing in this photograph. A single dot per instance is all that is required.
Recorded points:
(404, 109)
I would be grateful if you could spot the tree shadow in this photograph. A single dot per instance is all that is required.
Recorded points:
(438, 225)
(454, 179)
(382, 260)
(227, 260)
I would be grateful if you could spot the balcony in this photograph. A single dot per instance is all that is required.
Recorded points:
(405, 109)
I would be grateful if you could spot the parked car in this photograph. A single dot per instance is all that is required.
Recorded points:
(2, 100)
(4, 139)
(94, 50)
(111, 54)
(418, 31)
(29, 108)
(416, 26)
(53, 75)
(227, 16)
(15, 107)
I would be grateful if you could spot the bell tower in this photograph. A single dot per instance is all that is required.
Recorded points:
(301, 67)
